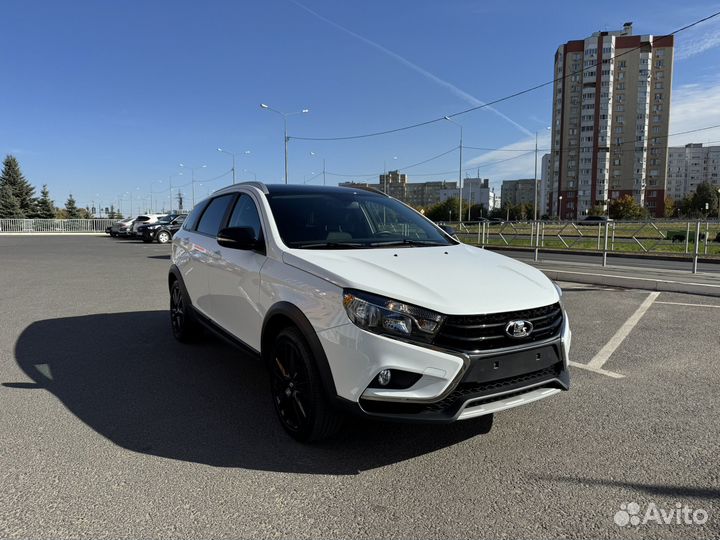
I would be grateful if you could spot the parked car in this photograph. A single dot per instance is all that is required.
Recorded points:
(144, 219)
(358, 304)
(594, 220)
(121, 228)
(163, 230)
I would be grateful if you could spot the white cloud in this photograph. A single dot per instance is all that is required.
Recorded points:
(698, 40)
(694, 107)
(512, 161)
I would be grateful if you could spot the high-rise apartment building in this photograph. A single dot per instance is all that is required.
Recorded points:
(611, 109)
(691, 165)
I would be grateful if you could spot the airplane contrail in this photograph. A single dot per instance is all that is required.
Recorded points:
(472, 100)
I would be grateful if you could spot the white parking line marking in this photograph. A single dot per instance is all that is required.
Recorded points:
(606, 352)
(691, 305)
(599, 371)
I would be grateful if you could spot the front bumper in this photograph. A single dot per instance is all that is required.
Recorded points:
(453, 386)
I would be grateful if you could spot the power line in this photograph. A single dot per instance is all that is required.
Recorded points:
(504, 98)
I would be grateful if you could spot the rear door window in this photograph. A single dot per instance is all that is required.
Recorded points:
(214, 215)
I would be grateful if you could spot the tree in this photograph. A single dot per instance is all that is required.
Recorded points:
(444, 211)
(71, 210)
(669, 207)
(596, 210)
(626, 208)
(9, 207)
(21, 189)
(45, 207)
(705, 198)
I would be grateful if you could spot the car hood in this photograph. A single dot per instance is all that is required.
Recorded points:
(455, 280)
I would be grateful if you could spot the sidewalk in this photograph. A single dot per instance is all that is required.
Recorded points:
(631, 277)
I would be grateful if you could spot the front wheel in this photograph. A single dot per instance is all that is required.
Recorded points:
(297, 391)
(163, 237)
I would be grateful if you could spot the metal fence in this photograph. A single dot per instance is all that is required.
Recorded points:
(55, 225)
(689, 240)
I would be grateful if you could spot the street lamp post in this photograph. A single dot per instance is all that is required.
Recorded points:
(284, 115)
(460, 167)
(152, 208)
(323, 171)
(560, 208)
(192, 180)
(233, 159)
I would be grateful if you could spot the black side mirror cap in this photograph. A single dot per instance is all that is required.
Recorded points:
(238, 238)
(449, 230)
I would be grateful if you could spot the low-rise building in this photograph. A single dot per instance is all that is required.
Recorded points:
(515, 192)
(416, 194)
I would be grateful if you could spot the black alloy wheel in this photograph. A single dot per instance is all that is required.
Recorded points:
(296, 389)
(184, 327)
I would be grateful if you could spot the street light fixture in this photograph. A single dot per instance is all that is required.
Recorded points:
(192, 180)
(233, 154)
(560, 208)
(284, 115)
(460, 168)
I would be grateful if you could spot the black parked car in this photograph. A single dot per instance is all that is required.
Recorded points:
(163, 230)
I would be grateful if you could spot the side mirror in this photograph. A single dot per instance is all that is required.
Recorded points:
(450, 231)
(238, 238)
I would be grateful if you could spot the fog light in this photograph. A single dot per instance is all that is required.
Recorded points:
(383, 377)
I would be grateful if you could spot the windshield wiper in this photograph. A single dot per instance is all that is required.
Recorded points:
(330, 245)
(407, 242)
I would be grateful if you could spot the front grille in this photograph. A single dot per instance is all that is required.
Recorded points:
(471, 333)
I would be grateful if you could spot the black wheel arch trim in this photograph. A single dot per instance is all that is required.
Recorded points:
(298, 318)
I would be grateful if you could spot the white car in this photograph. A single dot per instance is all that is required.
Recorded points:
(144, 219)
(357, 303)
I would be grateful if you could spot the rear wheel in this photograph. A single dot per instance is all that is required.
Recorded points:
(297, 391)
(184, 327)
(163, 237)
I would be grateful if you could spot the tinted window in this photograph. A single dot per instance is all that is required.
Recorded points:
(213, 215)
(193, 216)
(245, 214)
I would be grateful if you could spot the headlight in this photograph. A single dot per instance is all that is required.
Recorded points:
(390, 317)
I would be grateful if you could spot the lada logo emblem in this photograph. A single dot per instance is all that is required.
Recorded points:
(519, 329)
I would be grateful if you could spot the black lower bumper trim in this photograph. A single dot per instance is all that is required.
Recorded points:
(449, 408)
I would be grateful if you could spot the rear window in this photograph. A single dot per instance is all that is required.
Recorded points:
(142, 218)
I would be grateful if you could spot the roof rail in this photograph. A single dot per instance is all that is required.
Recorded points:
(260, 185)
(368, 188)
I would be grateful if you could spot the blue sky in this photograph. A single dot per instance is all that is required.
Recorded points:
(101, 98)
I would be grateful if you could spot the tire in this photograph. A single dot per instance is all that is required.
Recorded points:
(114, 235)
(296, 388)
(163, 237)
(184, 327)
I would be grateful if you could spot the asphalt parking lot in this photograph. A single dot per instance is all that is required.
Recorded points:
(109, 428)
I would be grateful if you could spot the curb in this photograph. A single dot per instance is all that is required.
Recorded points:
(660, 285)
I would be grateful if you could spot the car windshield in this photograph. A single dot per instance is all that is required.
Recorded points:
(165, 219)
(349, 219)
